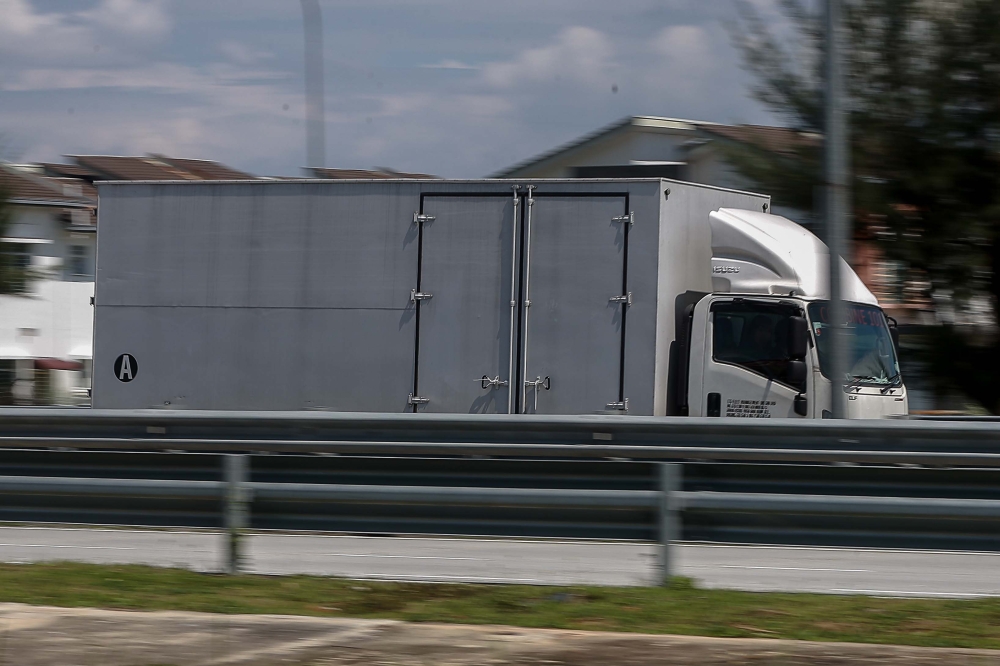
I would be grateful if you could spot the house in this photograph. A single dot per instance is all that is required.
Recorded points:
(657, 147)
(699, 151)
(46, 326)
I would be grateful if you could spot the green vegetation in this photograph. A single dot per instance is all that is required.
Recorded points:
(679, 609)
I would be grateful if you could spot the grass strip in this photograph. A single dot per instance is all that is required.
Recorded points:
(678, 609)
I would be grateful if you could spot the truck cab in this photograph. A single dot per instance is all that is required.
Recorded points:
(758, 345)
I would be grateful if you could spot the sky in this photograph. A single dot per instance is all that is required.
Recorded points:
(456, 88)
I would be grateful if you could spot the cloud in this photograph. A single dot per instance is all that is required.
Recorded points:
(684, 45)
(158, 77)
(695, 71)
(137, 18)
(242, 54)
(450, 64)
(28, 34)
(25, 31)
(579, 54)
(438, 86)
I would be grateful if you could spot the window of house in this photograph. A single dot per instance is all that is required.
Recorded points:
(78, 261)
(753, 335)
(15, 259)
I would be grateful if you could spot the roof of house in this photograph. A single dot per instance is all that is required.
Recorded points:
(204, 169)
(116, 167)
(363, 174)
(652, 123)
(149, 167)
(774, 139)
(67, 170)
(28, 188)
(778, 139)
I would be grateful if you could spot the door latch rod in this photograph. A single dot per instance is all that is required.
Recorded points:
(536, 384)
(488, 383)
(626, 299)
(620, 406)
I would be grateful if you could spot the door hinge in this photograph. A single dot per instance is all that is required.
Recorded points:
(420, 217)
(419, 296)
(416, 400)
(488, 383)
(628, 217)
(626, 299)
(621, 406)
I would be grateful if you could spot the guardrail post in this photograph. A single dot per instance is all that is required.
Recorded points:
(669, 518)
(236, 508)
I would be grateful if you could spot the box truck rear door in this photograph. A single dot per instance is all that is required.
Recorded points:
(574, 304)
(464, 310)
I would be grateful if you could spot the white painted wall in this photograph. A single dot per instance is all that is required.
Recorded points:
(54, 321)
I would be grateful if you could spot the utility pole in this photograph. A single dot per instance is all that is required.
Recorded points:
(312, 19)
(837, 202)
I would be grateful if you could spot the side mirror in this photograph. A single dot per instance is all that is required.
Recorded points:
(796, 373)
(894, 332)
(798, 337)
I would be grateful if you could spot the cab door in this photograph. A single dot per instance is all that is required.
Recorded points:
(747, 369)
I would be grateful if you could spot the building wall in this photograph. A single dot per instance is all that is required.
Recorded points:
(51, 243)
(54, 318)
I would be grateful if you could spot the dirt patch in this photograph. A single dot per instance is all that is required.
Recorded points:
(45, 636)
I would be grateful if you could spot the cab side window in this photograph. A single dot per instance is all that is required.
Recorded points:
(753, 335)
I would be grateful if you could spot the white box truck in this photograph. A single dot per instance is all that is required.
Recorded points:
(639, 296)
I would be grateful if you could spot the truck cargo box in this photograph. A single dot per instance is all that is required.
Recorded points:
(487, 296)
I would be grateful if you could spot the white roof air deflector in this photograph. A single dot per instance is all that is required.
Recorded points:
(759, 253)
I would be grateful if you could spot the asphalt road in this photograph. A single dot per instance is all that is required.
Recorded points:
(550, 562)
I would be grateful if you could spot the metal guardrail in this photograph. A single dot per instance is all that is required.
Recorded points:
(788, 501)
(938, 443)
(236, 493)
(651, 453)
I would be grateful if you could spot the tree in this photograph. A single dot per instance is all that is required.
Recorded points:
(923, 87)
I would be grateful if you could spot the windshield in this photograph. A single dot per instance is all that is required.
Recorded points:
(871, 358)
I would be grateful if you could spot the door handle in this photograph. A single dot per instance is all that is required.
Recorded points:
(488, 383)
(626, 299)
(537, 383)
(714, 405)
(621, 406)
